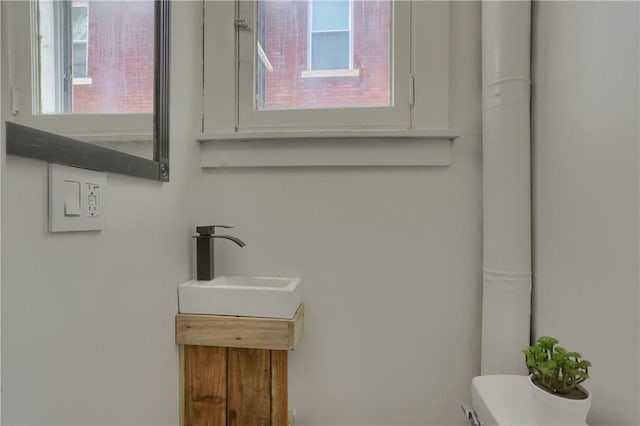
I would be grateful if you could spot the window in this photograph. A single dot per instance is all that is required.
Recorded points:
(80, 34)
(324, 56)
(325, 67)
(330, 35)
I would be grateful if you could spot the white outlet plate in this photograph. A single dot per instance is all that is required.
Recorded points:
(93, 188)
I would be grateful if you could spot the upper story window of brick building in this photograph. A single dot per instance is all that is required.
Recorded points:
(317, 65)
(330, 35)
(80, 34)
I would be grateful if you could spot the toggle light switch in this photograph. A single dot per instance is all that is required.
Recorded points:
(71, 198)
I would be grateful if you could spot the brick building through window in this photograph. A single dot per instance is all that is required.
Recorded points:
(323, 54)
(116, 59)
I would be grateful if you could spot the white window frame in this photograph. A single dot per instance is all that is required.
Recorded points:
(22, 48)
(227, 98)
(310, 32)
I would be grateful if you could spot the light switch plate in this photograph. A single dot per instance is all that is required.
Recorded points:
(93, 189)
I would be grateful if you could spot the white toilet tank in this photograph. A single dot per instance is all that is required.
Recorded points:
(504, 400)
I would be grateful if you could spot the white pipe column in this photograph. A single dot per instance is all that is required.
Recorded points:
(506, 304)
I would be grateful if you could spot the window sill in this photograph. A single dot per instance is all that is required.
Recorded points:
(82, 81)
(330, 73)
(332, 148)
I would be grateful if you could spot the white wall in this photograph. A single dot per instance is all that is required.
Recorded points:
(585, 142)
(88, 318)
(391, 263)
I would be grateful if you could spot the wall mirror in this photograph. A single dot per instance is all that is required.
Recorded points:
(88, 83)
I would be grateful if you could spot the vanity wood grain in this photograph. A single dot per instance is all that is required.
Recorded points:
(233, 370)
(240, 332)
(206, 388)
(249, 387)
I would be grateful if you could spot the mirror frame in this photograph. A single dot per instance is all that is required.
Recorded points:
(29, 142)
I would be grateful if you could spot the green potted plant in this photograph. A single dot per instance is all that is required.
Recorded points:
(556, 376)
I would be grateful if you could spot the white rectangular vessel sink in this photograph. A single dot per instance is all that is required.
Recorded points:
(270, 297)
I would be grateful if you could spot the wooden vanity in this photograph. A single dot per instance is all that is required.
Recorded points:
(233, 370)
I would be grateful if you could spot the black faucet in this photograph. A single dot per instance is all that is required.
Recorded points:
(205, 264)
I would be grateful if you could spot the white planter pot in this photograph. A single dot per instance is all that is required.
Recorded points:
(554, 410)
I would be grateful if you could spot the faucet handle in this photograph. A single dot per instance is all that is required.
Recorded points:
(210, 229)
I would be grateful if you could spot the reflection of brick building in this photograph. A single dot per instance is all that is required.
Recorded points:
(285, 38)
(120, 58)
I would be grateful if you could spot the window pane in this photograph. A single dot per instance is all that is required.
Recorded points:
(79, 59)
(79, 23)
(330, 51)
(330, 15)
(295, 65)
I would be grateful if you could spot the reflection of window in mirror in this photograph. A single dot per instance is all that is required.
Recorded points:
(95, 56)
(91, 71)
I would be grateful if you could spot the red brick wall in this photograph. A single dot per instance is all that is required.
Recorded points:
(121, 58)
(285, 43)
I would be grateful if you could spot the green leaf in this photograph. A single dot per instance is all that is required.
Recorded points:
(547, 342)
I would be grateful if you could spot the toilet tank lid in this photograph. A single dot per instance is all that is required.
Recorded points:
(503, 400)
